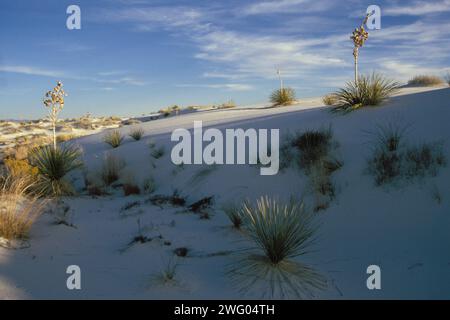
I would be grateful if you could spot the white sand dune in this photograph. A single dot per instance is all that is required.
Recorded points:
(400, 228)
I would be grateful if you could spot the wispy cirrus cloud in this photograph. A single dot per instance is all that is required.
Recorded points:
(28, 70)
(42, 72)
(418, 8)
(284, 6)
(225, 86)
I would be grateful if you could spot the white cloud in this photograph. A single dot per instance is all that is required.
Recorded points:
(418, 8)
(226, 86)
(31, 71)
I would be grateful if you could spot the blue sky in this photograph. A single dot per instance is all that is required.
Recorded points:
(135, 56)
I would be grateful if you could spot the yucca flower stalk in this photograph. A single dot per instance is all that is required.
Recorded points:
(359, 37)
(54, 101)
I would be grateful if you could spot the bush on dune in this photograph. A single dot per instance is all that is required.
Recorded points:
(53, 165)
(18, 209)
(329, 99)
(114, 138)
(110, 170)
(137, 133)
(367, 91)
(426, 81)
(283, 97)
(394, 158)
(281, 232)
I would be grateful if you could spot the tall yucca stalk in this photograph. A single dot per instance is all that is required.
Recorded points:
(359, 37)
(54, 101)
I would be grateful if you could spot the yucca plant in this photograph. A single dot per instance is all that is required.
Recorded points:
(114, 138)
(283, 97)
(281, 232)
(137, 133)
(53, 165)
(367, 91)
(54, 101)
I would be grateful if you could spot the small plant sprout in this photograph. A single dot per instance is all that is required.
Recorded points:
(359, 37)
(54, 101)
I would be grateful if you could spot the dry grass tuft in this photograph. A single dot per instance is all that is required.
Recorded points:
(425, 80)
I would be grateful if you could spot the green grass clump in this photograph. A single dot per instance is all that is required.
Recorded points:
(114, 138)
(137, 133)
(53, 165)
(281, 232)
(283, 97)
(367, 91)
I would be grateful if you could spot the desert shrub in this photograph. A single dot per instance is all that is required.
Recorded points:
(137, 133)
(283, 97)
(65, 137)
(21, 168)
(233, 213)
(53, 165)
(280, 232)
(367, 91)
(130, 189)
(424, 159)
(393, 158)
(110, 169)
(425, 80)
(18, 211)
(329, 99)
(114, 138)
(313, 145)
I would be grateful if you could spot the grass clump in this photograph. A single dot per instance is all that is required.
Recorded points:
(114, 138)
(283, 97)
(157, 153)
(18, 210)
(313, 145)
(53, 165)
(425, 81)
(393, 158)
(110, 169)
(367, 91)
(330, 99)
(137, 133)
(233, 213)
(281, 232)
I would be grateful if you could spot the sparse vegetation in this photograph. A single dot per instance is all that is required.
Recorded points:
(110, 170)
(312, 151)
(283, 97)
(18, 210)
(367, 91)
(137, 133)
(426, 81)
(149, 185)
(393, 158)
(233, 213)
(280, 232)
(330, 99)
(53, 165)
(157, 153)
(114, 138)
